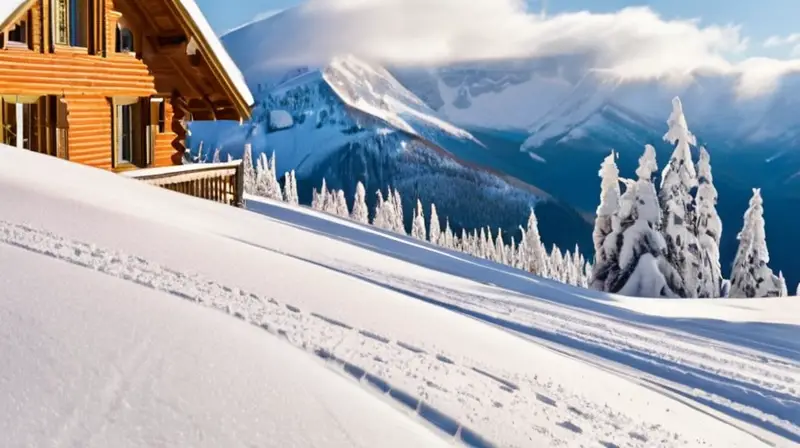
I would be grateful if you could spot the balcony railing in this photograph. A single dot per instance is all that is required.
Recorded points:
(219, 182)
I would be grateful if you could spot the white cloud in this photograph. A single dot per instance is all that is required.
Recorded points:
(632, 43)
(780, 41)
(792, 40)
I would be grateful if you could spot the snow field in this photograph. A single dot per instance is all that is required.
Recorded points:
(391, 367)
(388, 288)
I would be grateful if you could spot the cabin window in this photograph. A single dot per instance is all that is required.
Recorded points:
(133, 139)
(162, 117)
(20, 120)
(124, 116)
(17, 37)
(71, 22)
(124, 40)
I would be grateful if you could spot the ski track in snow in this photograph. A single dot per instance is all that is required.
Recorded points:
(753, 385)
(460, 397)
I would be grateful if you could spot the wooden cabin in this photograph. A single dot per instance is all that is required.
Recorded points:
(112, 83)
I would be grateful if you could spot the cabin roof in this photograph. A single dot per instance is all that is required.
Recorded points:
(201, 31)
(11, 9)
(214, 46)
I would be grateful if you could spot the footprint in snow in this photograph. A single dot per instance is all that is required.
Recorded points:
(571, 426)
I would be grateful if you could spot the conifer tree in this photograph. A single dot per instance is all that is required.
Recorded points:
(678, 221)
(536, 255)
(606, 245)
(378, 220)
(751, 275)
(360, 211)
(709, 230)
(275, 187)
(448, 235)
(499, 248)
(418, 229)
(435, 228)
(341, 205)
(400, 226)
(249, 170)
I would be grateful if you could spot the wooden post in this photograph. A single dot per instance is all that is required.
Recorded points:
(239, 189)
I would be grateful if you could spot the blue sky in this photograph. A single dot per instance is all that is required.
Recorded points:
(759, 19)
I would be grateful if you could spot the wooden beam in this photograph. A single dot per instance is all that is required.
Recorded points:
(171, 41)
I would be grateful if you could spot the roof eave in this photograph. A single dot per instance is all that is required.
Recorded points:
(15, 15)
(238, 100)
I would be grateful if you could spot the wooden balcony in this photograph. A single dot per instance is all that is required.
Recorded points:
(219, 182)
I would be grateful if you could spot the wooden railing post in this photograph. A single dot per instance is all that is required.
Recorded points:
(239, 189)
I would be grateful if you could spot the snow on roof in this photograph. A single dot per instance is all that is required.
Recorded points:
(218, 50)
(8, 8)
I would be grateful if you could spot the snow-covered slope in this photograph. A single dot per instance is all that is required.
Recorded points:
(522, 361)
(94, 360)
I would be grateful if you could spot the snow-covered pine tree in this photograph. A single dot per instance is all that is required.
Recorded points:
(513, 261)
(499, 248)
(418, 228)
(678, 222)
(481, 244)
(322, 199)
(449, 239)
(390, 212)
(399, 222)
(568, 277)
(556, 264)
(378, 219)
(249, 170)
(329, 202)
(230, 158)
(292, 182)
(709, 230)
(751, 275)
(489, 244)
(465, 242)
(522, 251)
(341, 204)
(609, 205)
(360, 211)
(275, 186)
(261, 179)
(536, 256)
(644, 270)
(216, 158)
(434, 234)
(587, 272)
(606, 244)
(287, 187)
(784, 289)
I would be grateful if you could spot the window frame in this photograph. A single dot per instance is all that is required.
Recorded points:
(141, 141)
(8, 43)
(69, 16)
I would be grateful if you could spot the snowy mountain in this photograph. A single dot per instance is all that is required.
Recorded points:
(349, 121)
(545, 120)
(282, 325)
